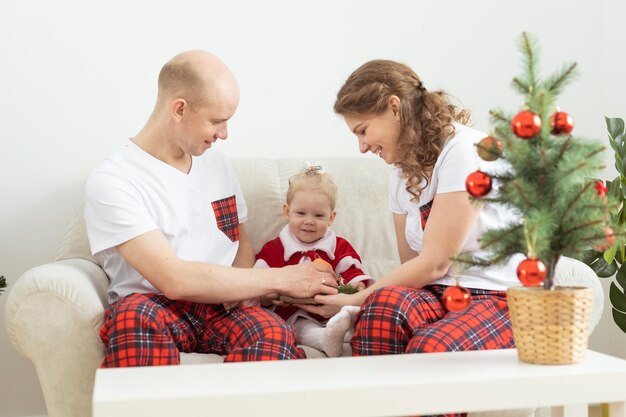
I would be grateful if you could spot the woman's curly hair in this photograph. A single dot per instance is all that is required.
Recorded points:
(426, 117)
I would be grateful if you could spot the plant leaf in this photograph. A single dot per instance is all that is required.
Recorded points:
(603, 269)
(618, 298)
(621, 277)
(620, 319)
(609, 254)
(615, 126)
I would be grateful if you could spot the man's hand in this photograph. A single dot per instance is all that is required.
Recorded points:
(307, 280)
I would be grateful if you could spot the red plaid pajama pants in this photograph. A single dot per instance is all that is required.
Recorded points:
(408, 320)
(150, 329)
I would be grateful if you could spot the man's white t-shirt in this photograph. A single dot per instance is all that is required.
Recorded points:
(132, 193)
(457, 160)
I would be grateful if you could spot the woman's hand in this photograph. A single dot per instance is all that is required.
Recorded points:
(326, 311)
(339, 300)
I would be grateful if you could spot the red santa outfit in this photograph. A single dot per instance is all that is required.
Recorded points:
(286, 249)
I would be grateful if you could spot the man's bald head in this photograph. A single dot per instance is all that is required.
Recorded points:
(197, 76)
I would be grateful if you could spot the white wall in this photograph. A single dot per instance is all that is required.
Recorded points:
(78, 78)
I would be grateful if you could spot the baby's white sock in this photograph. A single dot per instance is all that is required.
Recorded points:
(330, 338)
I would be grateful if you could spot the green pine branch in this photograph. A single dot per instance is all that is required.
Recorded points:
(558, 81)
(528, 46)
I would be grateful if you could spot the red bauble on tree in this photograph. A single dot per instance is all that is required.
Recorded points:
(489, 148)
(562, 123)
(531, 272)
(609, 240)
(456, 298)
(478, 184)
(601, 190)
(526, 124)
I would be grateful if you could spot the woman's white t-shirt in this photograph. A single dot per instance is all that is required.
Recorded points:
(132, 193)
(457, 160)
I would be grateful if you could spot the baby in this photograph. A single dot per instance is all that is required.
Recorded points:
(310, 210)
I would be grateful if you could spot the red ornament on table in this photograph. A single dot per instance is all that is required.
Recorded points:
(478, 184)
(456, 298)
(531, 272)
(526, 124)
(562, 123)
(489, 148)
(609, 240)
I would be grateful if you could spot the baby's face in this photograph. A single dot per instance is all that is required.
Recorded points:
(309, 214)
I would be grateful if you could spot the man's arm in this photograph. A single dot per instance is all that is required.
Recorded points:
(153, 257)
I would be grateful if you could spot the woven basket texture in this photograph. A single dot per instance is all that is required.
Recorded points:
(550, 327)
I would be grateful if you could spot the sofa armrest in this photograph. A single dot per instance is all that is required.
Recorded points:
(53, 314)
(572, 272)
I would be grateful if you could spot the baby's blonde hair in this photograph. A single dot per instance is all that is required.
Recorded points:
(313, 178)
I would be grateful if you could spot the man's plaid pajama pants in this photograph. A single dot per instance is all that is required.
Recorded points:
(149, 329)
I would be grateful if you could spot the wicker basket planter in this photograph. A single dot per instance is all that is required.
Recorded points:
(550, 326)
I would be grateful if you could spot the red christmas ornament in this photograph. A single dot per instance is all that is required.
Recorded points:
(478, 184)
(562, 123)
(456, 298)
(601, 190)
(489, 148)
(609, 240)
(526, 124)
(531, 272)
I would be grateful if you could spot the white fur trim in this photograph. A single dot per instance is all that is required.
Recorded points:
(292, 245)
(260, 263)
(362, 278)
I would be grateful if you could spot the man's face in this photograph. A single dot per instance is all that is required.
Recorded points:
(202, 125)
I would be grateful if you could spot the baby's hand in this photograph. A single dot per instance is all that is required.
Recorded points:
(267, 300)
(252, 302)
(359, 286)
(231, 305)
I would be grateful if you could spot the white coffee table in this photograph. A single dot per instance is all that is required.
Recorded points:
(368, 386)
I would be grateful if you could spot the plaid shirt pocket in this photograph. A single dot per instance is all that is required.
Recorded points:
(226, 216)
(425, 212)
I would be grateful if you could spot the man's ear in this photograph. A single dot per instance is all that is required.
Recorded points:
(178, 108)
(286, 210)
(332, 217)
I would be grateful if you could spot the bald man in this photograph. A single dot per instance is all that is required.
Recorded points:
(165, 216)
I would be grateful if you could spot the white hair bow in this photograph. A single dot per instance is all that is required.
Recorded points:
(313, 168)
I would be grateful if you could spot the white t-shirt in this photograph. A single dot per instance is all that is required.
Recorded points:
(132, 193)
(457, 160)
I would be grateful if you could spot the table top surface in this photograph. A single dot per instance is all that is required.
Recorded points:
(461, 380)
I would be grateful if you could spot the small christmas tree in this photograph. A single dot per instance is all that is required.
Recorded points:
(546, 179)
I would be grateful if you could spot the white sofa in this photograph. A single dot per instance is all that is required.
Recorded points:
(54, 311)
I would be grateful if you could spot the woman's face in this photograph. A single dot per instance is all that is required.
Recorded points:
(377, 133)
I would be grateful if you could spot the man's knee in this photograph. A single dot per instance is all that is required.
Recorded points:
(136, 311)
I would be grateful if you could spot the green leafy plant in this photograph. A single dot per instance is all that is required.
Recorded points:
(611, 262)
